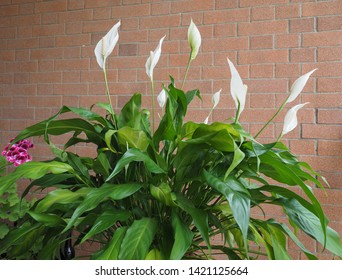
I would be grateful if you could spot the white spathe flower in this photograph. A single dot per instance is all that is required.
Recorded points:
(216, 98)
(237, 89)
(194, 39)
(106, 45)
(206, 120)
(290, 120)
(161, 98)
(298, 86)
(153, 59)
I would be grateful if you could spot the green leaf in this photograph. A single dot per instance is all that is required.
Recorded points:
(33, 170)
(199, 217)
(130, 114)
(237, 159)
(138, 239)
(106, 220)
(61, 196)
(50, 220)
(237, 197)
(164, 194)
(134, 138)
(311, 224)
(135, 155)
(3, 230)
(112, 250)
(182, 236)
(154, 254)
(98, 195)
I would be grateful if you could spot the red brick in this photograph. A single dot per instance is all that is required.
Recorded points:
(10, 10)
(71, 77)
(325, 69)
(329, 148)
(45, 101)
(302, 25)
(26, 20)
(225, 44)
(261, 70)
(160, 21)
(287, 41)
(191, 5)
(102, 26)
(75, 4)
(262, 13)
(302, 55)
(75, 40)
(51, 6)
(162, 8)
(223, 16)
(225, 30)
(262, 56)
(70, 89)
(267, 86)
(101, 3)
(261, 42)
(8, 33)
(330, 23)
(287, 70)
(251, 3)
(324, 163)
(323, 100)
(49, 18)
(328, 38)
(46, 77)
(71, 64)
(329, 53)
(131, 11)
(262, 101)
(288, 11)
(329, 85)
(322, 8)
(330, 116)
(224, 4)
(303, 147)
(73, 16)
(310, 131)
(101, 13)
(259, 28)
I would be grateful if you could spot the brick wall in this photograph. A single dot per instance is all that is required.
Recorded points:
(46, 60)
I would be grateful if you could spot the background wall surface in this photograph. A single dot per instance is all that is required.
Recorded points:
(47, 59)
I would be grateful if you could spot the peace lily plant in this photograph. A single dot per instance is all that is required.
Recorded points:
(162, 191)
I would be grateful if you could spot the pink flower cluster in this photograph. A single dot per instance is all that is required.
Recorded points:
(17, 153)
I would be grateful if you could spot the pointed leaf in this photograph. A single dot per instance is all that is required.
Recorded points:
(138, 239)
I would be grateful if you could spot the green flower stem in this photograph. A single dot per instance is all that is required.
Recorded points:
(273, 117)
(237, 113)
(152, 89)
(107, 90)
(186, 72)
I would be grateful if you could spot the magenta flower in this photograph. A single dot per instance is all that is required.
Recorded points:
(18, 153)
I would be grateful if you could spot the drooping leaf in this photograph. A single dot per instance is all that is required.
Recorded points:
(138, 239)
(106, 220)
(182, 236)
(132, 155)
(112, 250)
(98, 195)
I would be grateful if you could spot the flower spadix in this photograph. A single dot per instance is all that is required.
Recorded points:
(194, 39)
(298, 86)
(106, 45)
(290, 120)
(237, 89)
(153, 59)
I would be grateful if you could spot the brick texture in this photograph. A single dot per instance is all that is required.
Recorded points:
(47, 59)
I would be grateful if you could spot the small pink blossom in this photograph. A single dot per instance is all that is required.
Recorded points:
(18, 153)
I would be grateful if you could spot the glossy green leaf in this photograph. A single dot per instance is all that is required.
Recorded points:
(138, 239)
(111, 252)
(106, 220)
(50, 220)
(98, 195)
(135, 155)
(133, 138)
(199, 217)
(238, 199)
(311, 224)
(154, 254)
(182, 236)
(33, 170)
(130, 113)
(163, 193)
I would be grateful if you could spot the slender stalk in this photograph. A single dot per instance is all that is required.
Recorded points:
(152, 89)
(237, 113)
(107, 90)
(273, 117)
(187, 70)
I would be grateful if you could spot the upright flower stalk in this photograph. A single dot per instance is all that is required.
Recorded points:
(102, 50)
(195, 40)
(150, 65)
